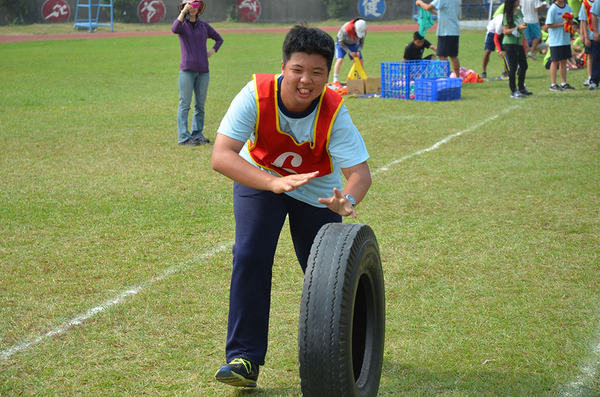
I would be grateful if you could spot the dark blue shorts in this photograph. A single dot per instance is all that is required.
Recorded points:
(447, 46)
(560, 53)
(340, 53)
(489, 42)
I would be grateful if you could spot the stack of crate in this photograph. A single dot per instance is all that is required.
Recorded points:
(399, 80)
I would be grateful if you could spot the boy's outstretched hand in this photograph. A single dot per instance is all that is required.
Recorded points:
(292, 182)
(339, 204)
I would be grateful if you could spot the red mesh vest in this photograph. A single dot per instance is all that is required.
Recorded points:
(587, 6)
(279, 152)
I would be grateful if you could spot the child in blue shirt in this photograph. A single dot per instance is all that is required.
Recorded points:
(559, 43)
(448, 29)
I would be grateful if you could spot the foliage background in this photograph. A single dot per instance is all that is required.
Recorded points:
(125, 10)
(18, 12)
(337, 9)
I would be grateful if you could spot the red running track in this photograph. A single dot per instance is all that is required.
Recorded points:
(103, 35)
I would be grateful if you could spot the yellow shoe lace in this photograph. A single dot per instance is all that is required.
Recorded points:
(247, 364)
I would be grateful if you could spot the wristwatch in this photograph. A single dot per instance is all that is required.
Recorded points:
(351, 199)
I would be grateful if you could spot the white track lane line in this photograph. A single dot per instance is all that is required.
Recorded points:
(122, 297)
(584, 385)
(440, 143)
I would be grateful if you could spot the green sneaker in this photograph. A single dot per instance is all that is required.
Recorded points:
(239, 372)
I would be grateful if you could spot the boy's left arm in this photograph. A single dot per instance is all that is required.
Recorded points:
(358, 182)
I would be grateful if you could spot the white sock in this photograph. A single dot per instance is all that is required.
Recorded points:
(336, 77)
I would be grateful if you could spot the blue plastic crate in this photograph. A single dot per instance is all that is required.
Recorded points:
(441, 89)
(398, 78)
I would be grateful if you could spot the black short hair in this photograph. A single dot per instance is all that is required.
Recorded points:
(302, 38)
(417, 36)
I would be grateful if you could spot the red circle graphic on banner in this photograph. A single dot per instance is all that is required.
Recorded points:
(151, 11)
(248, 10)
(56, 11)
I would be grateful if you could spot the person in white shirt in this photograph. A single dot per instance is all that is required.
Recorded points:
(493, 40)
(533, 33)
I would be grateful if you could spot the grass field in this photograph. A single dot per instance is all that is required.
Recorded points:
(115, 242)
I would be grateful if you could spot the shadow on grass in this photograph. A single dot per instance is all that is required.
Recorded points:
(288, 391)
(406, 380)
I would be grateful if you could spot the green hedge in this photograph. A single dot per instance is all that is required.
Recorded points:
(125, 10)
(337, 8)
(17, 12)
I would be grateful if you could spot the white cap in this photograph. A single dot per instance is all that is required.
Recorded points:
(360, 27)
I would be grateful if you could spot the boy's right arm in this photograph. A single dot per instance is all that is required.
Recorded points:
(227, 161)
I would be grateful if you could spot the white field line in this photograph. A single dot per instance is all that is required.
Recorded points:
(585, 381)
(122, 297)
(440, 143)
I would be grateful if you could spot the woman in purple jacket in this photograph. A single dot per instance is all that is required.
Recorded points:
(193, 69)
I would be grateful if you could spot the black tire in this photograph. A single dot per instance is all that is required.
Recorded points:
(342, 314)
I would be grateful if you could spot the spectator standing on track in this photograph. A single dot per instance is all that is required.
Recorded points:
(194, 74)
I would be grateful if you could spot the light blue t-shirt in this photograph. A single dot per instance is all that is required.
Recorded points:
(346, 146)
(596, 11)
(583, 17)
(448, 17)
(557, 36)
